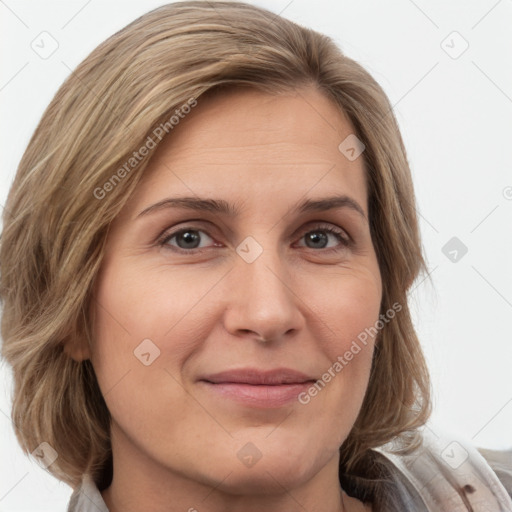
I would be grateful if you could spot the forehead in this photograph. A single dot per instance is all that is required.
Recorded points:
(251, 144)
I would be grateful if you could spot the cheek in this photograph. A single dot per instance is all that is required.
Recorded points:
(134, 304)
(347, 309)
(347, 304)
(147, 323)
(137, 370)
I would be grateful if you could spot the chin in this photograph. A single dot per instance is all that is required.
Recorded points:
(265, 478)
(277, 468)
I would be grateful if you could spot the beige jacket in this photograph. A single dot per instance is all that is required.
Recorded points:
(444, 475)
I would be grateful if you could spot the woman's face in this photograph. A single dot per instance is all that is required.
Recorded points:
(188, 289)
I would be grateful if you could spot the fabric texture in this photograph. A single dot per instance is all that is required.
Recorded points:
(449, 474)
(446, 474)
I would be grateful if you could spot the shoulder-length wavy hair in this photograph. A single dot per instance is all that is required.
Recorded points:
(58, 212)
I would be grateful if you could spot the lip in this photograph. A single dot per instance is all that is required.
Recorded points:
(258, 388)
(259, 377)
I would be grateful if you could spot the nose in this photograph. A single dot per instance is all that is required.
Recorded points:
(262, 302)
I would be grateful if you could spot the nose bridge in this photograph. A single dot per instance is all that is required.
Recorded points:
(260, 266)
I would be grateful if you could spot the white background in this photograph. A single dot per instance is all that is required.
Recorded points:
(456, 119)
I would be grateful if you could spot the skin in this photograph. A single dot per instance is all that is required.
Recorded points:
(175, 443)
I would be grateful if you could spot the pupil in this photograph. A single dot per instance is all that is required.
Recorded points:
(317, 237)
(189, 238)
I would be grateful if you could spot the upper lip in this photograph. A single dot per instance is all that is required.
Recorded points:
(262, 377)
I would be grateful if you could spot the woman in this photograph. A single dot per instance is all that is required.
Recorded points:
(204, 272)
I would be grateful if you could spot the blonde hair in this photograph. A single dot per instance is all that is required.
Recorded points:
(55, 225)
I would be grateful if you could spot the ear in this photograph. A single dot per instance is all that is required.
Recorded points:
(77, 348)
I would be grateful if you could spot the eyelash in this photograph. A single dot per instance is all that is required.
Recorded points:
(341, 235)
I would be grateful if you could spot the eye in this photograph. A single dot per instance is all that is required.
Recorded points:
(190, 239)
(325, 237)
(187, 239)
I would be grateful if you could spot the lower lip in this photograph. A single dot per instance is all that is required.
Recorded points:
(259, 395)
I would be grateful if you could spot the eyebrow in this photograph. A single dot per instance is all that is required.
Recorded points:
(221, 206)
